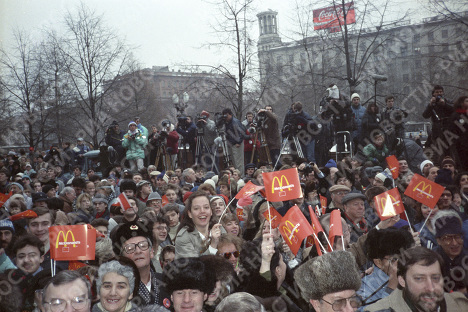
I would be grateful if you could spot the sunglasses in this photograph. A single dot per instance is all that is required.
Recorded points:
(228, 255)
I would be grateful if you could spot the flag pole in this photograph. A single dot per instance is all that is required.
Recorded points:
(318, 240)
(407, 219)
(224, 211)
(269, 215)
(425, 221)
(342, 241)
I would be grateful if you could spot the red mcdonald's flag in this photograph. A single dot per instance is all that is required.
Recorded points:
(28, 214)
(282, 185)
(294, 228)
(249, 189)
(424, 191)
(336, 228)
(388, 204)
(316, 226)
(275, 217)
(240, 213)
(4, 198)
(165, 201)
(75, 265)
(122, 199)
(72, 242)
(393, 165)
(323, 201)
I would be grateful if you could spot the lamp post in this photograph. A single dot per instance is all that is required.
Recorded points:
(180, 103)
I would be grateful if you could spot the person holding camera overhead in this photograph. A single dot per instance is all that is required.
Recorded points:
(135, 142)
(439, 110)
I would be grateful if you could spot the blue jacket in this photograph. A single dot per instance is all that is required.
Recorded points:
(236, 132)
(370, 283)
(358, 115)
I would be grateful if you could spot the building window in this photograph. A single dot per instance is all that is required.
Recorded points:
(403, 50)
(405, 65)
(417, 64)
(445, 48)
(444, 33)
(291, 58)
(431, 49)
(405, 77)
(416, 38)
(430, 36)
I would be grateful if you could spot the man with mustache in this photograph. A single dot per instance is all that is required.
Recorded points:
(422, 286)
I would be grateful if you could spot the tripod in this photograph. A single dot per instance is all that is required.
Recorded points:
(263, 151)
(224, 146)
(166, 158)
(297, 144)
(202, 149)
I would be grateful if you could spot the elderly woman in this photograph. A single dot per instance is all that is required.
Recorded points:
(116, 286)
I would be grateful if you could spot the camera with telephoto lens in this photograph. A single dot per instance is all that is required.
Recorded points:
(438, 98)
(182, 120)
(201, 120)
(309, 168)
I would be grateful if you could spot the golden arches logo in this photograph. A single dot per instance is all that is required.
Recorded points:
(280, 184)
(422, 190)
(65, 238)
(289, 229)
(383, 201)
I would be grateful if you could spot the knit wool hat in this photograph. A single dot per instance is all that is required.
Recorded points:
(427, 161)
(330, 273)
(355, 95)
(6, 224)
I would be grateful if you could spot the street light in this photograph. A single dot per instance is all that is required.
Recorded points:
(180, 104)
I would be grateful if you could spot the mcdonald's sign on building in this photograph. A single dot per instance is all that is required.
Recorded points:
(72, 242)
(424, 191)
(282, 185)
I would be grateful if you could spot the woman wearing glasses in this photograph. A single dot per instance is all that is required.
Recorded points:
(195, 235)
(117, 284)
(229, 247)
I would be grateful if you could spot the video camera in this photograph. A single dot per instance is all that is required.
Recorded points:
(182, 120)
(201, 120)
(220, 120)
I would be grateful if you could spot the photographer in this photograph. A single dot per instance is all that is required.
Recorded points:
(188, 130)
(114, 137)
(235, 135)
(135, 142)
(393, 120)
(439, 110)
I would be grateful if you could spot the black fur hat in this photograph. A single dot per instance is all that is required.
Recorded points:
(188, 273)
(387, 242)
(125, 231)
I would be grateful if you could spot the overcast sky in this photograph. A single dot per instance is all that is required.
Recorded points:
(165, 32)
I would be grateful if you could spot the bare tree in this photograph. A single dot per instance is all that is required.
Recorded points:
(233, 31)
(23, 82)
(94, 58)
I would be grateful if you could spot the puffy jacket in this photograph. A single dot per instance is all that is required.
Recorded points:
(135, 147)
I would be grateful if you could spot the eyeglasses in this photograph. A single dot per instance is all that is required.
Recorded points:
(338, 305)
(228, 255)
(59, 305)
(130, 248)
(341, 193)
(447, 239)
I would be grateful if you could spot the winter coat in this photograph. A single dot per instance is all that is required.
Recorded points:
(358, 115)
(370, 122)
(135, 147)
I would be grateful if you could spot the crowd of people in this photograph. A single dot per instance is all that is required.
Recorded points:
(187, 243)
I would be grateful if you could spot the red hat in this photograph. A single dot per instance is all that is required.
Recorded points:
(186, 195)
(205, 113)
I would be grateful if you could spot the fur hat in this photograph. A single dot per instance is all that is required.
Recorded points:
(332, 272)
(189, 273)
(125, 231)
(100, 198)
(387, 242)
(128, 184)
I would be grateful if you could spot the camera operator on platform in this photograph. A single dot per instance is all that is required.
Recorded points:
(206, 133)
(188, 130)
(135, 142)
(235, 135)
(114, 137)
(343, 118)
(249, 143)
(271, 127)
(439, 110)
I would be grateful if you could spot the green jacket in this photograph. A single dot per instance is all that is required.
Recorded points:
(135, 147)
(374, 154)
